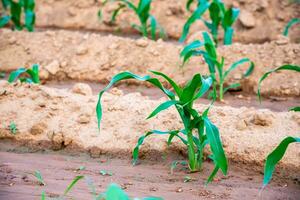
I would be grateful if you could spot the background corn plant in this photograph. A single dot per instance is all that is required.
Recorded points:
(33, 74)
(215, 64)
(12, 11)
(198, 130)
(294, 68)
(219, 16)
(148, 23)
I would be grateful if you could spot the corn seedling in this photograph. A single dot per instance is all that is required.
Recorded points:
(219, 16)
(295, 68)
(148, 23)
(215, 64)
(33, 74)
(13, 128)
(12, 11)
(198, 129)
(291, 23)
(274, 157)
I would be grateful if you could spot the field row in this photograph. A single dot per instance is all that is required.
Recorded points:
(91, 57)
(58, 119)
(260, 20)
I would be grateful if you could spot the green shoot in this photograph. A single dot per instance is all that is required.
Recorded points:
(296, 109)
(291, 23)
(219, 16)
(215, 64)
(13, 128)
(148, 23)
(274, 157)
(16, 9)
(33, 74)
(295, 68)
(39, 177)
(72, 184)
(198, 130)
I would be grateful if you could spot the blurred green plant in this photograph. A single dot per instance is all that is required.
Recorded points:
(33, 74)
(148, 23)
(295, 68)
(198, 130)
(215, 64)
(291, 23)
(13, 128)
(12, 11)
(219, 16)
(113, 192)
(275, 156)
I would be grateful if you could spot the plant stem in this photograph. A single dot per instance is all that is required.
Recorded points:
(144, 30)
(221, 91)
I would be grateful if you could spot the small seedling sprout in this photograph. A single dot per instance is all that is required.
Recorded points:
(148, 23)
(219, 16)
(33, 74)
(215, 64)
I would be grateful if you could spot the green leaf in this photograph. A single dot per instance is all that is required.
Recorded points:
(15, 10)
(39, 177)
(197, 14)
(29, 20)
(215, 143)
(283, 67)
(5, 3)
(230, 17)
(72, 184)
(212, 175)
(162, 107)
(116, 12)
(43, 196)
(124, 76)
(15, 74)
(274, 157)
(232, 86)
(176, 88)
(296, 109)
(143, 10)
(190, 89)
(189, 50)
(291, 23)
(135, 153)
(4, 20)
(114, 192)
(237, 64)
(153, 25)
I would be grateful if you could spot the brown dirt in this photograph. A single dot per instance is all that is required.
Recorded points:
(61, 119)
(268, 17)
(92, 57)
(147, 179)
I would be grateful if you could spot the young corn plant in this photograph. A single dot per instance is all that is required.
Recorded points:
(12, 11)
(275, 156)
(295, 68)
(219, 16)
(291, 23)
(215, 64)
(33, 74)
(198, 130)
(148, 23)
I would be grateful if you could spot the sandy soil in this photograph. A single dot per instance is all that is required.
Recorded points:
(73, 55)
(148, 179)
(261, 20)
(58, 119)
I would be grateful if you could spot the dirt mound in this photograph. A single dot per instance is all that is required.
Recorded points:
(260, 20)
(92, 57)
(56, 119)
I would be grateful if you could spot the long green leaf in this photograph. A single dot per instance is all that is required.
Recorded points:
(197, 14)
(114, 192)
(15, 74)
(237, 64)
(212, 175)
(124, 76)
(15, 10)
(215, 143)
(296, 109)
(274, 157)
(295, 68)
(75, 180)
(291, 23)
(4, 20)
(162, 107)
